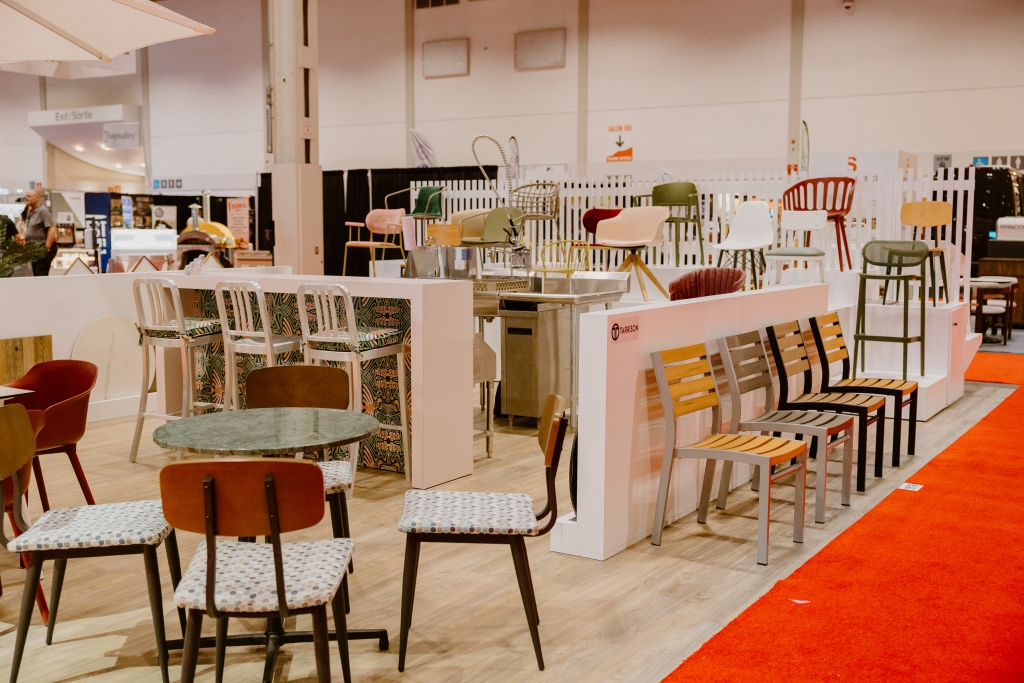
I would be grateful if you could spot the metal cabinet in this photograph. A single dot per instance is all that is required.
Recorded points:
(535, 356)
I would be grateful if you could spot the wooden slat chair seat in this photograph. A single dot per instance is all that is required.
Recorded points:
(747, 370)
(831, 346)
(792, 362)
(687, 385)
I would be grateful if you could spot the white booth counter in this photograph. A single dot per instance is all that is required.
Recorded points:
(439, 346)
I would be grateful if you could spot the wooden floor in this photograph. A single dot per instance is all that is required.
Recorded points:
(633, 617)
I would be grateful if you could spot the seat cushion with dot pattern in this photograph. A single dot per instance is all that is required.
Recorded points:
(337, 475)
(93, 526)
(468, 512)
(246, 581)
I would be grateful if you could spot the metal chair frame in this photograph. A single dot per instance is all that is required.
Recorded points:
(158, 305)
(746, 369)
(333, 326)
(390, 240)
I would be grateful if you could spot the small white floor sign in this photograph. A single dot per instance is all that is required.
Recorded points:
(911, 487)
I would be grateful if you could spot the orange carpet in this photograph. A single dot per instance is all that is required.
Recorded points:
(927, 586)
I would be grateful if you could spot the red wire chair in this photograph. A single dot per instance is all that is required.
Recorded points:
(834, 195)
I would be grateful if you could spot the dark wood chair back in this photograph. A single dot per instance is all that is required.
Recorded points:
(551, 438)
(297, 386)
(17, 448)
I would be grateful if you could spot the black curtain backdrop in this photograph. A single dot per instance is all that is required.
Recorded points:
(350, 201)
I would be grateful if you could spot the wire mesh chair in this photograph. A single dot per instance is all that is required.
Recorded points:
(898, 255)
(564, 256)
(539, 201)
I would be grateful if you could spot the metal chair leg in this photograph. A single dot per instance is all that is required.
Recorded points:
(412, 559)
(59, 567)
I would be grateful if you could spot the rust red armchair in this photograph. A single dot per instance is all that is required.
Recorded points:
(62, 389)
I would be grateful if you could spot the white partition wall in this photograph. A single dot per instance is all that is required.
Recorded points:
(621, 429)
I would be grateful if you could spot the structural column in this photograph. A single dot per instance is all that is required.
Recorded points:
(796, 69)
(296, 175)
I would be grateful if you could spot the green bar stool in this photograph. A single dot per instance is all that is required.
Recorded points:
(892, 255)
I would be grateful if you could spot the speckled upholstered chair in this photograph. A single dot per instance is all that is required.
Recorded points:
(229, 578)
(472, 517)
(135, 528)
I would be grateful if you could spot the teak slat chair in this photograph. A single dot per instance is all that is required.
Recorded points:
(472, 517)
(135, 528)
(311, 386)
(747, 370)
(246, 497)
(792, 361)
(831, 345)
(687, 385)
(937, 217)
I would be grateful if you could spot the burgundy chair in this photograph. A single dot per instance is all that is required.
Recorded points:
(594, 216)
(707, 282)
(62, 389)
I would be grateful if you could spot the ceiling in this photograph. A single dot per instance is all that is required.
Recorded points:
(79, 133)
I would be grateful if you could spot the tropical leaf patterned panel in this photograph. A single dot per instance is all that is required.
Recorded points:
(379, 376)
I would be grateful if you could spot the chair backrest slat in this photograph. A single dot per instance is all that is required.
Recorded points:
(831, 345)
(240, 494)
(158, 304)
(791, 356)
(330, 308)
(747, 369)
(297, 386)
(686, 381)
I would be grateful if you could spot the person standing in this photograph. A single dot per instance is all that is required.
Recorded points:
(39, 227)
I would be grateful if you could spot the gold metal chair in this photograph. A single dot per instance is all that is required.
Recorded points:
(564, 256)
(384, 222)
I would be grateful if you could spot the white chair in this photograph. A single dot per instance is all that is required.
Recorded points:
(796, 225)
(245, 334)
(750, 233)
(634, 229)
(162, 323)
(328, 319)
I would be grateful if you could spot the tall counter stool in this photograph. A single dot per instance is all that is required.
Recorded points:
(247, 331)
(135, 528)
(890, 254)
(687, 385)
(831, 345)
(474, 517)
(330, 333)
(162, 323)
(792, 361)
(747, 370)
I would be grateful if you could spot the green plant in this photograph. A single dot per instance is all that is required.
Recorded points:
(14, 253)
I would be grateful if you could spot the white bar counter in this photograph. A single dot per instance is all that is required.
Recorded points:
(441, 347)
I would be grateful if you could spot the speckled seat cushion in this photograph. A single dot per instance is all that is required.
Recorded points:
(337, 475)
(247, 583)
(369, 338)
(92, 526)
(194, 327)
(468, 512)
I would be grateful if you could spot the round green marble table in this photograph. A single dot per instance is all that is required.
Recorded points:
(265, 431)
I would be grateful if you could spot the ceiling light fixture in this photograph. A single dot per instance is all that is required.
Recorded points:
(103, 147)
(79, 148)
(142, 164)
(117, 165)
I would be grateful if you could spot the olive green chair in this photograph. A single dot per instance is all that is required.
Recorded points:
(495, 232)
(686, 197)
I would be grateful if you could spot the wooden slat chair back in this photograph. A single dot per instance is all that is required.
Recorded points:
(298, 386)
(747, 370)
(828, 336)
(687, 382)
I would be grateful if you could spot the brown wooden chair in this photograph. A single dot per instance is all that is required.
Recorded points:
(14, 445)
(938, 218)
(472, 517)
(687, 385)
(831, 345)
(62, 389)
(231, 579)
(311, 386)
(793, 362)
(134, 528)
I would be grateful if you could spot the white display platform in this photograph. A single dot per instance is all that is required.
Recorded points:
(621, 430)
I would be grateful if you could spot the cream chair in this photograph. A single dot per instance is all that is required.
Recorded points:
(796, 224)
(750, 233)
(634, 229)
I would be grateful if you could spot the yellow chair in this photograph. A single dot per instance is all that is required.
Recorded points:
(564, 256)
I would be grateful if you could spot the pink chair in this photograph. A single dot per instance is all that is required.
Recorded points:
(634, 229)
(384, 222)
(834, 195)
